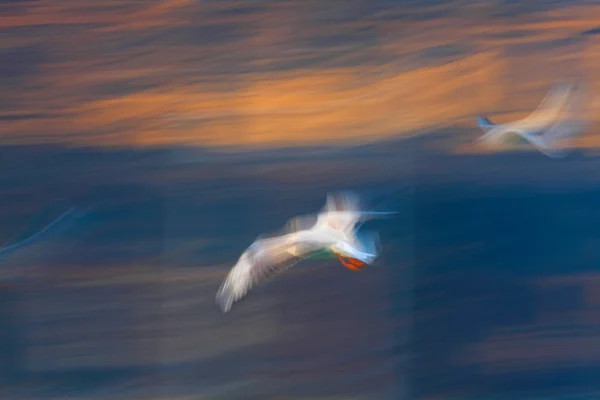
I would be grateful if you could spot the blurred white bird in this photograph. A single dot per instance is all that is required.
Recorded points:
(554, 119)
(333, 229)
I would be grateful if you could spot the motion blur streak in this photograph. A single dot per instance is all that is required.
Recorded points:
(558, 118)
(180, 129)
(4, 251)
(334, 230)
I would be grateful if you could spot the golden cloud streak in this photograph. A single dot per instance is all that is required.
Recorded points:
(153, 94)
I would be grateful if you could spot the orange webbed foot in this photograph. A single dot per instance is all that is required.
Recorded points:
(351, 263)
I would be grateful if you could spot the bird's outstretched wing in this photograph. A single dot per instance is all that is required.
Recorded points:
(548, 111)
(344, 212)
(341, 211)
(262, 261)
(574, 118)
(572, 121)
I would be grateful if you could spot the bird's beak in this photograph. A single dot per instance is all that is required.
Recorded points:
(351, 263)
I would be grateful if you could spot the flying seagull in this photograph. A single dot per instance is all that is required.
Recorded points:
(334, 229)
(554, 119)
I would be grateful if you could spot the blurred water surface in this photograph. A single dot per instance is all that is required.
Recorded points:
(485, 286)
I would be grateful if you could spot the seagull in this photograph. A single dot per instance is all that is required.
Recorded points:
(552, 121)
(334, 229)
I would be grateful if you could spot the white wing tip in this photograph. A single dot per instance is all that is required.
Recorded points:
(226, 295)
(224, 299)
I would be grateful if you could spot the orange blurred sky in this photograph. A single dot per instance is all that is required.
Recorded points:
(130, 73)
